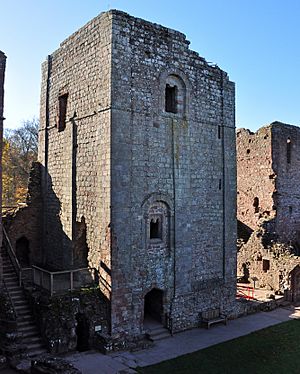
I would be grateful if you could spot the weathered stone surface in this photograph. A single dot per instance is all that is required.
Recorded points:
(267, 178)
(59, 318)
(146, 159)
(25, 221)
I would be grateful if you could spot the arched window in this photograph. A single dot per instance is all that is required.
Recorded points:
(174, 95)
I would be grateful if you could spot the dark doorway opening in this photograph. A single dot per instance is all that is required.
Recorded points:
(23, 251)
(82, 332)
(153, 306)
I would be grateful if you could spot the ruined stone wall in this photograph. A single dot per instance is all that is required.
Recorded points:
(255, 176)
(2, 74)
(182, 163)
(271, 264)
(267, 178)
(25, 222)
(286, 161)
(76, 159)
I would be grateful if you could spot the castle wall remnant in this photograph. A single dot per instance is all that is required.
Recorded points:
(2, 74)
(267, 178)
(268, 203)
(137, 145)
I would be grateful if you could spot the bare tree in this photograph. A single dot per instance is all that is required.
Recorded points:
(20, 150)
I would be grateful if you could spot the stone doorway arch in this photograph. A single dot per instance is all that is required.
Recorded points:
(23, 251)
(82, 332)
(153, 305)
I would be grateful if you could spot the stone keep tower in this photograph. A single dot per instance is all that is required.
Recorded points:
(137, 143)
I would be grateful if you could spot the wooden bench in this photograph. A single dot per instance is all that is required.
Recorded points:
(212, 316)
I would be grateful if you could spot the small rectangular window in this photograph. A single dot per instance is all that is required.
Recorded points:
(62, 111)
(266, 265)
(171, 93)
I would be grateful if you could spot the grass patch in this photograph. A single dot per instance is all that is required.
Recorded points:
(273, 350)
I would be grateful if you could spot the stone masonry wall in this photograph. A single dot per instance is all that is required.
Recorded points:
(154, 189)
(255, 176)
(272, 264)
(76, 160)
(267, 178)
(178, 159)
(287, 168)
(25, 222)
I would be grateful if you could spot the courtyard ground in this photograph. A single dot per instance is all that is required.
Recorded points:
(192, 341)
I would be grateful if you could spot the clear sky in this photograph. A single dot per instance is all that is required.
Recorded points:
(256, 41)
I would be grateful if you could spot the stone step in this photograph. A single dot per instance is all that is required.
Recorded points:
(17, 292)
(27, 325)
(10, 277)
(21, 311)
(8, 270)
(19, 302)
(18, 297)
(31, 340)
(36, 352)
(34, 346)
(158, 336)
(24, 320)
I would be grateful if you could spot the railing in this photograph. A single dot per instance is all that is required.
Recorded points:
(62, 281)
(245, 292)
(12, 256)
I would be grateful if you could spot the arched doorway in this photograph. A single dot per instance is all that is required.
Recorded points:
(23, 251)
(153, 305)
(295, 283)
(82, 332)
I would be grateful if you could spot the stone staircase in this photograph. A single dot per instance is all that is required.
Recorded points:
(155, 330)
(25, 322)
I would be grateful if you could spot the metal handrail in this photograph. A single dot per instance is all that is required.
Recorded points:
(13, 257)
(52, 274)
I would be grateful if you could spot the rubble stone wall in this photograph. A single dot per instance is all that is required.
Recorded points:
(255, 176)
(267, 178)
(270, 265)
(25, 222)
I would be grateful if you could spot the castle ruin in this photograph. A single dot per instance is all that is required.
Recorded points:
(138, 175)
(268, 205)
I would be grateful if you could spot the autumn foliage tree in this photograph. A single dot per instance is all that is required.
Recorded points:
(19, 151)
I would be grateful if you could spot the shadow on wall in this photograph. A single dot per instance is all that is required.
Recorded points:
(243, 231)
(61, 251)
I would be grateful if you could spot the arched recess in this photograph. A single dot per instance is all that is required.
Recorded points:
(174, 93)
(158, 220)
(153, 305)
(23, 251)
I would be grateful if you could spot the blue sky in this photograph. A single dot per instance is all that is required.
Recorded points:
(255, 41)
